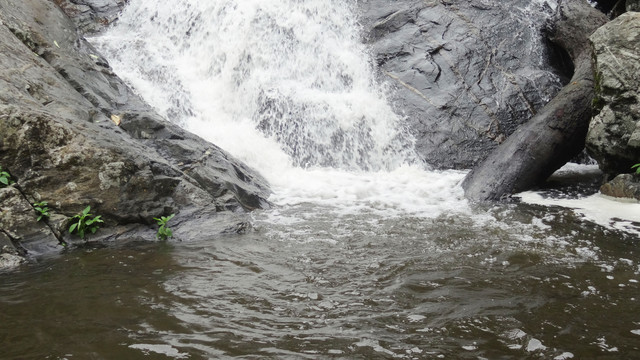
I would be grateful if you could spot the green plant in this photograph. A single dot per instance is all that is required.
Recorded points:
(5, 178)
(41, 209)
(637, 167)
(84, 222)
(164, 231)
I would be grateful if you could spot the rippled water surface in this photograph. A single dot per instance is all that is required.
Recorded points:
(514, 281)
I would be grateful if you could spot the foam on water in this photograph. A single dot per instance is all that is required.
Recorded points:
(619, 214)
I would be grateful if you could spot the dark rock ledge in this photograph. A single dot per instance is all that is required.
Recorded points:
(59, 104)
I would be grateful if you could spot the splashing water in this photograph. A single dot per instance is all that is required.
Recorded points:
(294, 70)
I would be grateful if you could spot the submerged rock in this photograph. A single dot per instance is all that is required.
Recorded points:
(466, 73)
(614, 134)
(58, 139)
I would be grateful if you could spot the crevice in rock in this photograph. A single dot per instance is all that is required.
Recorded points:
(15, 241)
(560, 61)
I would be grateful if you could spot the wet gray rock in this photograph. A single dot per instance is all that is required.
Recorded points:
(73, 134)
(623, 186)
(557, 132)
(466, 73)
(91, 16)
(614, 134)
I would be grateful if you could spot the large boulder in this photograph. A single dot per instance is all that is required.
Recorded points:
(614, 134)
(73, 134)
(466, 73)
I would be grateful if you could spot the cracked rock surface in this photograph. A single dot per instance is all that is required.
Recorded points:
(466, 73)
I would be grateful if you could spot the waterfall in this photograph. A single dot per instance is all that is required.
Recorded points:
(288, 87)
(290, 72)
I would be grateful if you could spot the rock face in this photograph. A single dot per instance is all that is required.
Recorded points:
(73, 134)
(614, 134)
(467, 73)
(92, 15)
(555, 134)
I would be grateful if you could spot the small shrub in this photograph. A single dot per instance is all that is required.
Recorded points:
(164, 231)
(41, 209)
(5, 178)
(637, 167)
(84, 222)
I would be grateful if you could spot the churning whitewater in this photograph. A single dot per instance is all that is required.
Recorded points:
(286, 86)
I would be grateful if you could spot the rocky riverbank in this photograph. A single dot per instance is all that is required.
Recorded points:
(74, 135)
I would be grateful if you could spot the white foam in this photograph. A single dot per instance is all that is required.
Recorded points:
(603, 210)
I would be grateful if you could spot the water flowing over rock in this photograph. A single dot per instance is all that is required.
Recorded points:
(614, 134)
(59, 139)
(466, 73)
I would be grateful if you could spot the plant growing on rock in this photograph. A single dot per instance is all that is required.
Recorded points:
(637, 167)
(41, 209)
(84, 222)
(5, 178)
(164, 231)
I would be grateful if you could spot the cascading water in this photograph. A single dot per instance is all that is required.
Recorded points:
(294, 70)
(286, 86)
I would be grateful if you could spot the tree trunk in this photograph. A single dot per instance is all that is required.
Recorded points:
(556, 133)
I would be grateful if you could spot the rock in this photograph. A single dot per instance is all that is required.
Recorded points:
(623, 186)
(57, 138)
(633, 5)
(466, 73)
(18, 224)
(555, 134)
(91, 16)
(614, 134)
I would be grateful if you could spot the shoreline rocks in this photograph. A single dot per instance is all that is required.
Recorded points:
(614, 133)
(73, 134)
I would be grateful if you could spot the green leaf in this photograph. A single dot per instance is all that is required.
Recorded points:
(73, 227)
(39, 217)
(4, 180)
(85, 212)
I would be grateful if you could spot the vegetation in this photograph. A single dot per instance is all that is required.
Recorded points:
(84, 222)
(164, 231)
(5, 178)
(637, 167)
(41, 209)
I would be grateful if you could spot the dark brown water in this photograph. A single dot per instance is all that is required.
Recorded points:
(513, 282)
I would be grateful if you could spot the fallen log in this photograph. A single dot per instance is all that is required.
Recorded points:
(557, 132)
